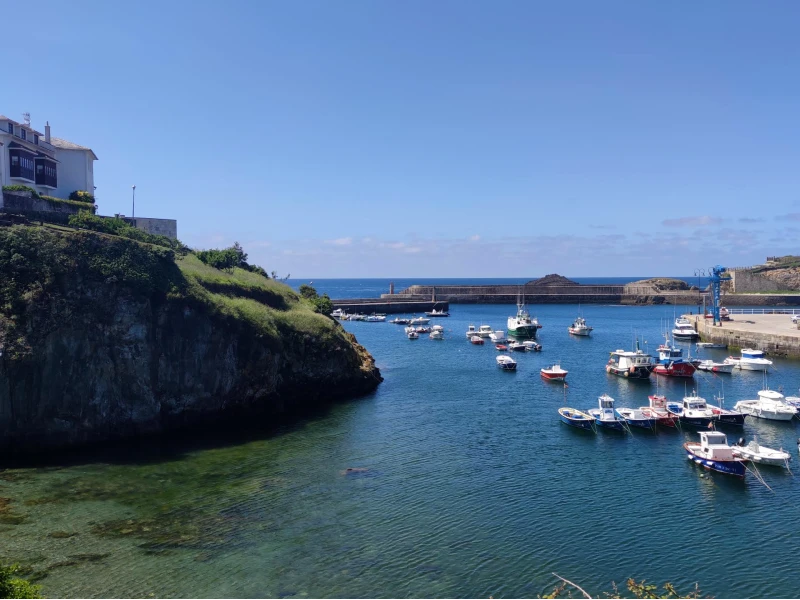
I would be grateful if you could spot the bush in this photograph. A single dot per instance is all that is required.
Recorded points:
(20, 188)
(228, 259)
(116, 226)
(81, 196)
(16, 587)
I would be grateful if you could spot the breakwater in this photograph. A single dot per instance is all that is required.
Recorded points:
(775, 334)
(379, 305)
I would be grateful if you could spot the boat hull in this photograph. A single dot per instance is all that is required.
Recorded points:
(573, 419)
(523, 331)
(729, 467)
(676, 369)
(724, 417)
(617, 424)
(635, 373)
(580, 332)
(554, 376)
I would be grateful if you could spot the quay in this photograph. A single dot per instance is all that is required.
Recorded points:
(773, 333)
(378, 305)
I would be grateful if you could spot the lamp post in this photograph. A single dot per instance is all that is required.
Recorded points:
(133, 208)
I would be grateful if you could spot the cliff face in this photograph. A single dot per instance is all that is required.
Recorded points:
(105, 338)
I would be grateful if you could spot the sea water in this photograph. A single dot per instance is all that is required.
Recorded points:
(453, 479)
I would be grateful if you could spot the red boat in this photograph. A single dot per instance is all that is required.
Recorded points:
(554, 373)
(658, 409)
(501, 347)
(477, 340)
(675, 369)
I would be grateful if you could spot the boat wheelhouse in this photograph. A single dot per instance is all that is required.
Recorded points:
(605, 415)
(693, 411)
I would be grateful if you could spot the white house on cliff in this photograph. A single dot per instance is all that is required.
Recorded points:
(50, 165)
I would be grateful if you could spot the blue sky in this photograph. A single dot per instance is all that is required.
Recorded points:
(424, 139)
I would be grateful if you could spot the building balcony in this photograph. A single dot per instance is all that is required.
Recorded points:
(19, 172)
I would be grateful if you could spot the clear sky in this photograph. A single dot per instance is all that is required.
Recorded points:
(425, 139)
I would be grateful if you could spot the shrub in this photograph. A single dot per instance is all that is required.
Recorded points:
(20, 188)
(228, 259)
(16, 587)
(116, 226)
(81, 196)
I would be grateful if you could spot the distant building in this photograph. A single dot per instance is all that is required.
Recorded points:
(51, 166)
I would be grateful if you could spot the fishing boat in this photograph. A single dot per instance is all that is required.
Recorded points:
(485, 331)
(639, 418)
(579, 327)
(471, 331)
(757, 453)
(769, 405)
(412, 335)
(477, 340)
(684, 330)
(522, 325)
(554, 373)
(338, 313)
(506, 363)
(714, 453)
(532, 346)
(420, 321)
(631, 364)
(606, 416)
(437, 313)
(517, 347)
(715, 367)
(399, 321)
(693, 412)
(576, 418)
(498, 336)
(658, 410)
(501, 347)
(670, 362)
(710, 346)
(750, 360)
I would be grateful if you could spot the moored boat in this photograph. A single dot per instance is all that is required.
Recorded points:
(658, 410)
(412, 335)
(605, 415)
(576, 418)
(757, 453)
(684, 330)
(724, 416)
(477, 340)
(522, 325)
(693, 411)
(501, 347)
(471, 331)
(532, 346)
(639, 418)
(420, 321)
(498, 336)
(517, 347)
(670, 362)
(750, 360)
(631, 364)
(714, 453)
(436, 334)
(579, 327)
(485, 331)
(338, 313)
(769, 405)
(506, 363)
(437, 313)
(554, 373)
(715, 367)
(399, 321)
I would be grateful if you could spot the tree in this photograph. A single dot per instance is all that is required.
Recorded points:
(323, 305)
(16, 587)
(308, 292)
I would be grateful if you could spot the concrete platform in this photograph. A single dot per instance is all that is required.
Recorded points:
(774, 334)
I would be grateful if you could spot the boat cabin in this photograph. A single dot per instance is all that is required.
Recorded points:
(667, 354)
(659, 402)
(770, 396)
(749, 353)
(714, 445)
(694, 403)
(606, 405)
(626, 360)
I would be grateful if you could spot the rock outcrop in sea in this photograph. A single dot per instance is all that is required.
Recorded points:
(105, 338)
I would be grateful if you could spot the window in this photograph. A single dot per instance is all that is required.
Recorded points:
(10, 127)
(22, 134)
(35, 139)
(15, 161)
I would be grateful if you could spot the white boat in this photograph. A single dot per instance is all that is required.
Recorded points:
(375, 319)
(757, 453)
(437, 328)
(420, 320)
(710, 346)
(471, 331)
(769, 405)
(532, 346)
(437, 313)
(715, 367)
(506, 363)
(522, 325)
(353, 317)
(579, 327)
(485, 331)
(498, 337)
(554, 372)
(409, 328)
(517, 347)
(436, 334)
(750, 360)
(412, 335)
(684, 330)
(338, 313)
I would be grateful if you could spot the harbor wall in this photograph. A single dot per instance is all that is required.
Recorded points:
(786, 345)
(375, 305)
(746, 281)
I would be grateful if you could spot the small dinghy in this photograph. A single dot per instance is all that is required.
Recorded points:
(477, 340)
(437, 334)
(532, 346)
(713, 453)
(554, 373)
(715, 367)
(576, 418)
(501, 347)
(517, 347)
(606, 416)
(757, 453)
(506, 363)
(639, 418)
(412, 335)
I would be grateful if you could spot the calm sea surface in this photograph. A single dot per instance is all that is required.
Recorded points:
(463, 483)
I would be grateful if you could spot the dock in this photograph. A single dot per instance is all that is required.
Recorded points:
(367, 306)
(767, 330)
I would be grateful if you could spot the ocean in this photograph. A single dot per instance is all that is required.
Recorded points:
(453, 479)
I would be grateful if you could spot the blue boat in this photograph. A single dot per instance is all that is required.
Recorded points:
(576, 418)
(694, 412)
(638, 418)
(606, 416)
(712, 452)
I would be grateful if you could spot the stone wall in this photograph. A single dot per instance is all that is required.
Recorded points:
(744, 282)
(166, 227)
(24, 202)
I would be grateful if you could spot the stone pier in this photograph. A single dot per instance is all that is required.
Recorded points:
(775, 334)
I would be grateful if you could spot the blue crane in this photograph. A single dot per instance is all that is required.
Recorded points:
(716, 278)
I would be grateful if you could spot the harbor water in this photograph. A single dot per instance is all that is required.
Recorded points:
(454, 479)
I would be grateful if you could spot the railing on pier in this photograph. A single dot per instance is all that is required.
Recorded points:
(764, 311)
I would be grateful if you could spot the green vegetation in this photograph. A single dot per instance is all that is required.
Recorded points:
(638, 589)
(50, 199)
(228, 259)
(81, 196)
(322, 304)
(116, 226)
(12, 586)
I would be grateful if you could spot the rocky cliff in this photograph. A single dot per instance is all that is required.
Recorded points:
(105, 338)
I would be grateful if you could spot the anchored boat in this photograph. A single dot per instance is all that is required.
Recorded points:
(658, 410)
(757, 453)
(579, 327)
(576, 418)
(714, 453)
(693, 412)
(633, 365)
(506, 363)
(522, 325)
(769, 405)
(554, 373)
(606, 416)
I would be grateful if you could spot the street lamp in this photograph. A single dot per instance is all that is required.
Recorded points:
(133, 209)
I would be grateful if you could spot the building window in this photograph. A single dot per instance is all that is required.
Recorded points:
(22, 134)
(22, 165)
(35, 139)
(10, 127)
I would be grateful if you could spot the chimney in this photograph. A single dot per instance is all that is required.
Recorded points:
(47, 132)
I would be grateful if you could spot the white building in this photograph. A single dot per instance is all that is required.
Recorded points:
(51, 166)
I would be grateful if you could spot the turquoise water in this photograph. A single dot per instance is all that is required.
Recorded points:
(463, 483)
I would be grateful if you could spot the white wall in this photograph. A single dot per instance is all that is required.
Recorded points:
(75, 172)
